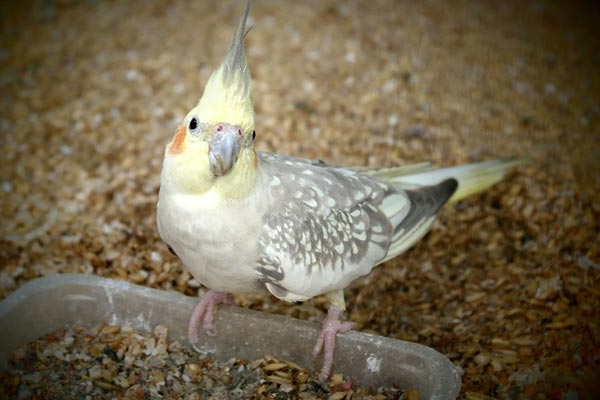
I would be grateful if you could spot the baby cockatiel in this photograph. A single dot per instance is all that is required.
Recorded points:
(243, 221)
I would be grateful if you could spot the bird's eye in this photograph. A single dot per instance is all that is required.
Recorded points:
(253, 135)
(193, 124)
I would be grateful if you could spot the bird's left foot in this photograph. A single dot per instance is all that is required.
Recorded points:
(205, 311)
(326, 340)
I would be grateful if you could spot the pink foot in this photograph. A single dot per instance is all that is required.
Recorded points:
(205, 311)
(326, 340)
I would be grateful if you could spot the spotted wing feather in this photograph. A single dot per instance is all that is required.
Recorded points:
(328, 226)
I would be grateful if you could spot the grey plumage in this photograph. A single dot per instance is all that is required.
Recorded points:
(329, 225)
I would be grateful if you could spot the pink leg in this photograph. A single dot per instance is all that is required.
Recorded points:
(205, 311)
(326, 340)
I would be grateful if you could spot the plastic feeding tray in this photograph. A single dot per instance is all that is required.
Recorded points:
(58, 301)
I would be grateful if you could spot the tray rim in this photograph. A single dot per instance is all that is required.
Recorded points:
(31, 288)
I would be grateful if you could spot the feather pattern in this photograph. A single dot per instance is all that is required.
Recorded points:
(330, 225)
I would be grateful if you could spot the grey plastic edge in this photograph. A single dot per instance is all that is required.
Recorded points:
(57, 301)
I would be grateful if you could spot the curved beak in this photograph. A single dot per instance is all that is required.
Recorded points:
(223, 149)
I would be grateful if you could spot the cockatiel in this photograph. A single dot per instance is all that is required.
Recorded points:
(243, 221)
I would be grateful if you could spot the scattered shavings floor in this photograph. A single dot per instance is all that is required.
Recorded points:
(109, 362)
(507, 284)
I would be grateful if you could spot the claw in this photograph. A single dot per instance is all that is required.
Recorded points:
(205, 311)
(326, 340)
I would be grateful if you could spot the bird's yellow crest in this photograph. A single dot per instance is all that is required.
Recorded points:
(227, 95)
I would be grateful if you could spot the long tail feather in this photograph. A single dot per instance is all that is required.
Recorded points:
(472, 178)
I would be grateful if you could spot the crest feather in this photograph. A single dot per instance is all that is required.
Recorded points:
(227, 97)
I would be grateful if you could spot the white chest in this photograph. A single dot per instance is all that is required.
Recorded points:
(217, 241)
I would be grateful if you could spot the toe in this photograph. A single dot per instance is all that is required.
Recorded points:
(319, 344)
(346, 327)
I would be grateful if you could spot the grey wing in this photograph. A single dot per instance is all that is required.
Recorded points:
(425, 204)
(329, 226)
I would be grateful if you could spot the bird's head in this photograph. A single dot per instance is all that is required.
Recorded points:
(213, 148)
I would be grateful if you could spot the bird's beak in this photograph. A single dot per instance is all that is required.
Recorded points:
(224, 147)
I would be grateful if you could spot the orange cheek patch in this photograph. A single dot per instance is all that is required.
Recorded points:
(176, 146)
